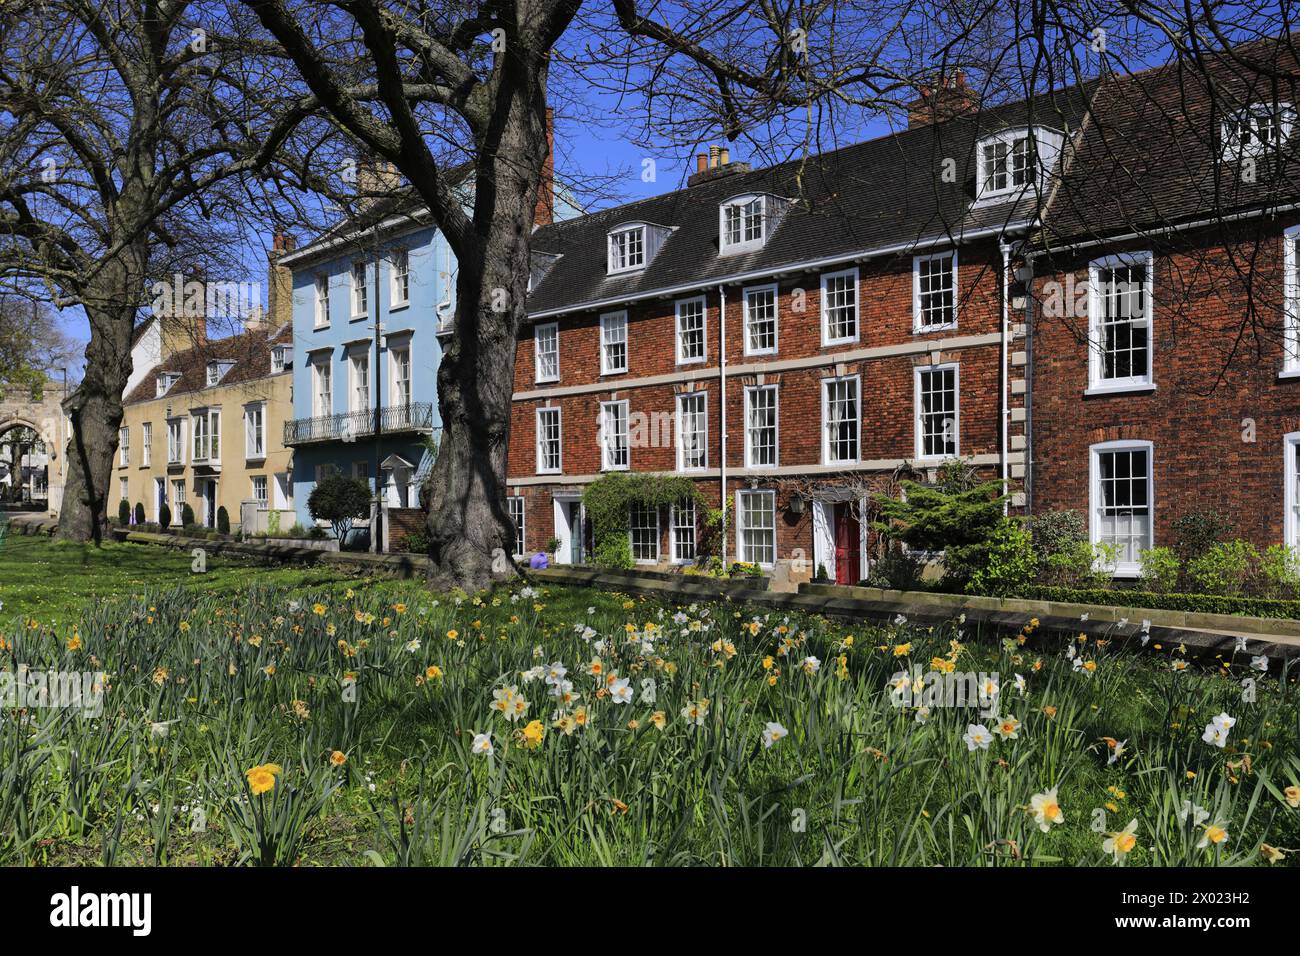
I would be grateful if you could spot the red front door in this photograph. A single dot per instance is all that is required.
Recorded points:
(848, 545)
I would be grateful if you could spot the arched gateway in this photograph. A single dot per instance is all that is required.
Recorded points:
(34, 433)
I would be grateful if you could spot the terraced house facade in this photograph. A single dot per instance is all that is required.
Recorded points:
(791, 337)
(996, 285)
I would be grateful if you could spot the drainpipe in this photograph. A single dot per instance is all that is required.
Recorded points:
(1005, 375)
(722, 411)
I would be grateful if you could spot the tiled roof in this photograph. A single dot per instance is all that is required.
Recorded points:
(880, 194)
(249, 351)
(1151, 152)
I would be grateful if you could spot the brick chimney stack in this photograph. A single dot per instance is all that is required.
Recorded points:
(715, 164)
(950, 99)
(544, 210)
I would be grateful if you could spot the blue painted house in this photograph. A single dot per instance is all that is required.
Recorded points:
(365, 399)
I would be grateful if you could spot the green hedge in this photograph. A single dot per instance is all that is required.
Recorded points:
(1193, 603)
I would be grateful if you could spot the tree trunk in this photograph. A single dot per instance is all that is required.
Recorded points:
(96, 404)
(471, 534)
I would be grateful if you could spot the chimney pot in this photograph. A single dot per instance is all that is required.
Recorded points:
(701, 162)
(714, 153)
(725, 158)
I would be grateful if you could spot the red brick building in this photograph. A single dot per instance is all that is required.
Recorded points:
(1081, 293)
(1162, 357)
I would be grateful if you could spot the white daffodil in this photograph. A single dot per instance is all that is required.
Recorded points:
(620, 692)
(1120, 843)
(772, 733)
(1046, 810)
(1197, 814)
(482, 744)
(977, 736)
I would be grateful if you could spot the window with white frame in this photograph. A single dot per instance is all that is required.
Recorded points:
(1121, 501)
(146, 443)
(614, 455)
(164, 382)
(322, 301)
(175, 441)
(937, 412)
(124, 488)
(760, 320)
(1119, 310)
(1291, 300)
(1008, 163)
(692, 431)
(643, 530)
(124, 446)
(840, 307)
(260, 490)
(359, 381)
(178, 500)
(205, 427)
(360, 301)
(281, 356)
(627, 249)
(742, 223)
(934, 287)
(690, 330)
(841, 418)
(322, 394)
(1253, 131)
(760, 426)
(546, 351)
(399, 360)
(255, 430)
(1291, 469)
(683, 531)
(756, 526)
(400, 270)
(516, 505)
(549, 459)
(613, 343)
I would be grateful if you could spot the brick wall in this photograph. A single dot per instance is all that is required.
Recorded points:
(401, 523)
(1211, 376)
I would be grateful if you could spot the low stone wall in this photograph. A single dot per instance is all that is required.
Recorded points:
(659, 583)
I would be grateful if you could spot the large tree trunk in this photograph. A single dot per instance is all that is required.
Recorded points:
(96, 404)
(470, 529)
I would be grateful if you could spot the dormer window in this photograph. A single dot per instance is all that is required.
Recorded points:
(281, 358)
(627, 249)
(217, 371)
(1012, 161)
(742, 223)
(1251, 132)
(164, 382)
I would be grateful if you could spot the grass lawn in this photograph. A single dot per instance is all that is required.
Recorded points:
(51, 581)
(272, 718)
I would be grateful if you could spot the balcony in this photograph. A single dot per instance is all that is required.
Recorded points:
(349, 426)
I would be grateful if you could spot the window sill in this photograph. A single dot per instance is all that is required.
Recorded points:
(400, 306)
(1288, 373)
(255, 460)
(835, 343)
(550, 472)
(612, 374)
(358, 318)
(1135, 389)
(740, 248)
(759, 354)
(693, 361)
(927, 329)
(633, 270)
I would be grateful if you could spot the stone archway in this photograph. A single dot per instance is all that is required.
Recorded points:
(42, 472)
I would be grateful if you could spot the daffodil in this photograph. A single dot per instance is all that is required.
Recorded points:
(1121, 843)
(1046, 810)
(262, 777)
(977, 736)
(772, 733)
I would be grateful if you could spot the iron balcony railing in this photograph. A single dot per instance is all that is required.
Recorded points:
(347, 426)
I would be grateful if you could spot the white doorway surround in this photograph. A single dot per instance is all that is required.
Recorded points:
(570, 521)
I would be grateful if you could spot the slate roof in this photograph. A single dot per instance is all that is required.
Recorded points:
(249, 351)
(880, 194)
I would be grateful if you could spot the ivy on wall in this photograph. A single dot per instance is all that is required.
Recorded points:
(608, 499)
